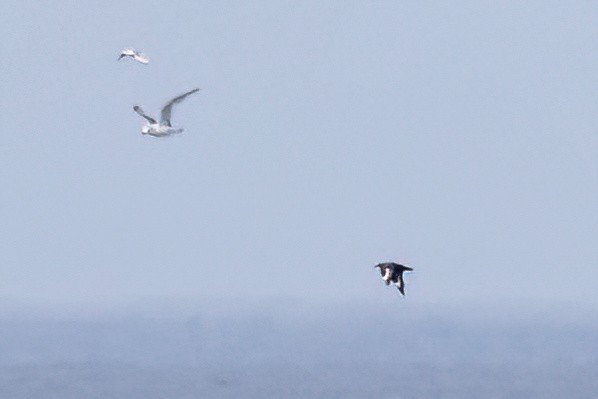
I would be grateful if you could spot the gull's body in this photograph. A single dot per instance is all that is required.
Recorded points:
(163, 127)
(393, 273)
(157, 130)
(131, 53)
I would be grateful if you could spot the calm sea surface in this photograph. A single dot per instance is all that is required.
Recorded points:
(299, 354)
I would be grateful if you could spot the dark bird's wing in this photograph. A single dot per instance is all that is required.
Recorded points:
(139, 111)
(167, 110)
(401, 285)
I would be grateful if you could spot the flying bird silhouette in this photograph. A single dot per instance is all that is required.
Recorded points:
(393, 272)
(164, 127)
(137, 56)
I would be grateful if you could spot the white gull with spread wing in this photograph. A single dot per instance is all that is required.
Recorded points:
(137, 56)
(164, 127)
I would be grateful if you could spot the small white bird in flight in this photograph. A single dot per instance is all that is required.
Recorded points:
(162, 128)
(137, 56)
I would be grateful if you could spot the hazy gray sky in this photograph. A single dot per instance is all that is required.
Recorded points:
(457, 137)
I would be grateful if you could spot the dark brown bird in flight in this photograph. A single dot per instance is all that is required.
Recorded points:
(393, 273)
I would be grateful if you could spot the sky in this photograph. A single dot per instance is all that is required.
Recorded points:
(459, 138)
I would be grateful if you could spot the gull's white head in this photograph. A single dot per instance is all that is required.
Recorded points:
(145, 129)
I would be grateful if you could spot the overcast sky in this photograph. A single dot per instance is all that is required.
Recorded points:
(460, 138)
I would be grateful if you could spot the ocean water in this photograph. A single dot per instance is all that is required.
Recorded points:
(304, 353)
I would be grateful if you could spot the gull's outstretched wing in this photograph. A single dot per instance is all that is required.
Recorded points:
(138, 109)
(140, 57)
(167, 110)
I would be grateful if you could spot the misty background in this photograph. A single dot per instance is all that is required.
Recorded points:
(237, 259)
